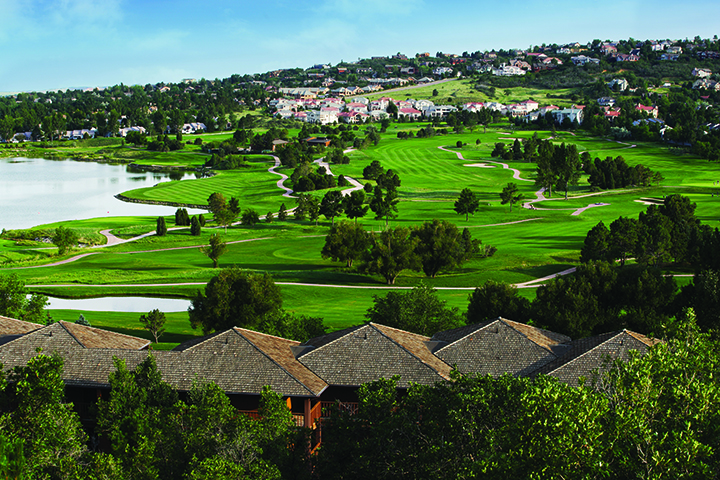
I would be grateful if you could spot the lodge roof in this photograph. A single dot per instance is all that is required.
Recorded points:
(500, 346)
(367, 352)
(589, 354)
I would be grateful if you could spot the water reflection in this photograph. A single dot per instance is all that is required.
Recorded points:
(120, 304)
(36, 191)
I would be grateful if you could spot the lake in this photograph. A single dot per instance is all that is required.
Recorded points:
(36, 191)
(120, 304)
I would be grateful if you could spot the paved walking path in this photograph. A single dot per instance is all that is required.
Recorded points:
(516, 172)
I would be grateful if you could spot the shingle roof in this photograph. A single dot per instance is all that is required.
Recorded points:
(499, 346)
(589, 354)
(237, 360)
(91, 337)
(365, 353)
(11, 326)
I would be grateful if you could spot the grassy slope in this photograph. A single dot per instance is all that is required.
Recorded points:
(431, 181)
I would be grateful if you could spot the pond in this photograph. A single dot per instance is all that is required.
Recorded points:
(36, 191)
(120, 304)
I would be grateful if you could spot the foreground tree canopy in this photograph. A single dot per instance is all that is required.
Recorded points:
(627, 424)
(235, 298)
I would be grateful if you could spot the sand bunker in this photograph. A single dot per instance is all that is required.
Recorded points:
(480, 165)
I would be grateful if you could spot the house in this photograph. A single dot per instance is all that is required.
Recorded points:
(583, 60)
(674, 50)
(320, 372)
(608, 49)
(669, 57)
(612, 114)
(509, 70)
(619, 84)
(442, 71)
(193, 128)
(473, 106)
(410, 113)
(651, 111)
(572, 114)
(407, 71)
(701, 72)
(438, 111)
(606, 101)
(626, 57)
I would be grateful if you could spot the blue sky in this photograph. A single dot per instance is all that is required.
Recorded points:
(48, 44)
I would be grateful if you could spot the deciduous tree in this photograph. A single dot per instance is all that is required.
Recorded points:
(346, 242)
(510, 195)
(65, 239)
(154, 322)
(392, 251)
(215, 248)
(418, 310)
(235, 298)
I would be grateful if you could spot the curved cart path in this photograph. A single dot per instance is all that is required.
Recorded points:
(516, 172)
(283, 177)
(355, 184)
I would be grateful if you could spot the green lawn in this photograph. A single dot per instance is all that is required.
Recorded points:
(546, 242)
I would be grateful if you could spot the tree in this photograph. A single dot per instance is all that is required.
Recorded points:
(64, 239)
(546, 172)
(82, 321)
(373, 171)
(568, 164)
(384, 204)
(439, 246)
(282, 213)
(497, 299)
(307, 206)
(235, 298)
(195, 228)
(418, 310)
(391, 252)
(225, 217)
(161, 228)
(250, 217)
(294, 327)
(154, 322)
(216, 203)
(467, 203)
(15, 301)
(623, 238)
(182, 219)
(346, 242)
(596, 246)
(214, 249)
(35, 413)
(332, 205)
(510, 195)
(354, 205)
(269, 217)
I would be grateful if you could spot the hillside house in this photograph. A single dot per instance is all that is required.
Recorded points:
(572, 114)
(701, 72)
(651, 111)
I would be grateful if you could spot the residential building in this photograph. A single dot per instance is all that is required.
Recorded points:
(573, 114)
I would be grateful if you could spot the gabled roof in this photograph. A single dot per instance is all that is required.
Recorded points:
(90, 337)
(243, 361)
(66, 334)
(11, 326)
(365, 353)
(499, 346)
(589, 354)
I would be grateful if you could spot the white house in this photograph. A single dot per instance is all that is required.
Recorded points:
(409, 112)
(701, 72)
(574, 114)
(619, 83)
(439, 111)
(582, 60)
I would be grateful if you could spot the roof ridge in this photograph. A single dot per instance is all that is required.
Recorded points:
(263, 333)
(276, 363)
(613, 335)
(480, 326)
(355, 327)
(60, 322)
(374, 325)
(63, 322)
(505, 320)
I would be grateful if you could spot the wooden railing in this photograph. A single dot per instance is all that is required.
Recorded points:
(349, 407)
